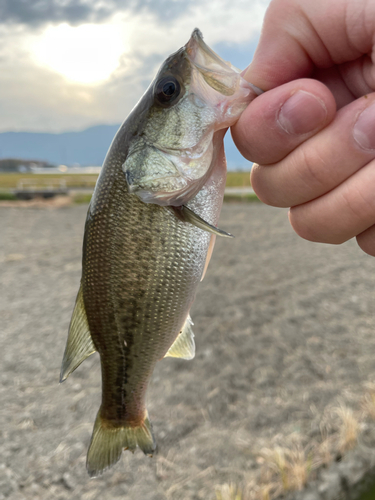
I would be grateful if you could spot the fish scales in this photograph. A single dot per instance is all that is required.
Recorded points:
(149, 235)
(136, 308)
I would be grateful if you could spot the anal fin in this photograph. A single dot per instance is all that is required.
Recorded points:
(184, 346)
(79, 344)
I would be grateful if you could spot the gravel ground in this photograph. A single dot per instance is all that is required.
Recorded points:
(285, 358)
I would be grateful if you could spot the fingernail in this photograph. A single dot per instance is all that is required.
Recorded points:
(302, 113)
(364, 128)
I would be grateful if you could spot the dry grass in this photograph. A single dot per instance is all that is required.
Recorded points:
(282, 469)
(324, 449)
(348, 428)
(368, 404)
(289, 465)
(229, 492)
(287, 468)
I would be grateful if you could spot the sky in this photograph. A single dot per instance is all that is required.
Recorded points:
(70, 64)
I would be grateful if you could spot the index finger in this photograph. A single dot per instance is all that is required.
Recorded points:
(300, 35)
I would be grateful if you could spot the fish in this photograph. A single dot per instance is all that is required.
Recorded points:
(149, 235)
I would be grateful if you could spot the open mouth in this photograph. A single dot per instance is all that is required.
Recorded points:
(219, 74)
(202, 56)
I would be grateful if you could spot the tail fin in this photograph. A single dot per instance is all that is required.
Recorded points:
(108, 442)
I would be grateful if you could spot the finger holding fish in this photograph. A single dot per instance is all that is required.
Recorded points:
(280, 120)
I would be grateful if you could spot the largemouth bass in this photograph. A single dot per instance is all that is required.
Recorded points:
(149, 235)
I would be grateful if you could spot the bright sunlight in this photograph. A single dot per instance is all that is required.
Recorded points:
(86, 54)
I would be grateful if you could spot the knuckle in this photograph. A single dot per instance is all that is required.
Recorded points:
(359, 206)
(312, 168)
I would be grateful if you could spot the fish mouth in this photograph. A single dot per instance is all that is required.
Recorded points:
(202, 56)
(219, 74)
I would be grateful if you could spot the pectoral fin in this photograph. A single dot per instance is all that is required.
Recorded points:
(184, 346)
(79, 344)
(187, 215)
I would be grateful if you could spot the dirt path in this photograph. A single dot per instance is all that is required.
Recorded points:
(285, 359)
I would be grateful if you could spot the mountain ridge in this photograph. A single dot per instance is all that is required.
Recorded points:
(85, 147)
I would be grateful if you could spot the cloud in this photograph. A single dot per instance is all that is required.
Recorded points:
(48, 11)
(34, 97)
(35, 13)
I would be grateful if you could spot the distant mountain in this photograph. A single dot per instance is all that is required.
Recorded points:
(87, 147)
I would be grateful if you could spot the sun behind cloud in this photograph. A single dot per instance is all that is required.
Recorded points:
(86, 54)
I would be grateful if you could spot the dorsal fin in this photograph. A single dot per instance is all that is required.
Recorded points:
(184, 346)
(79, 344)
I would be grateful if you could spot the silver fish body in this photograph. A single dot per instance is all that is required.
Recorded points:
(143, 254)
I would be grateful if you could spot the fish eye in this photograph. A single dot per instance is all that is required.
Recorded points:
(167, 90)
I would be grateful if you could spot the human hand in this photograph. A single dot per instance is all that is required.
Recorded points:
(314, 58)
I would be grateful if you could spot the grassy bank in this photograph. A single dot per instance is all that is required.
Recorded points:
(238, 179)
(6, 196)
(241, 198)
(228, 198)
(10, 181)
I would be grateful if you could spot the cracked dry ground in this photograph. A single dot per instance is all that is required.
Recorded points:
(285, 342)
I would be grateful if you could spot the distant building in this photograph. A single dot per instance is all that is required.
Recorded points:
(21, 165)
(43, 167)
